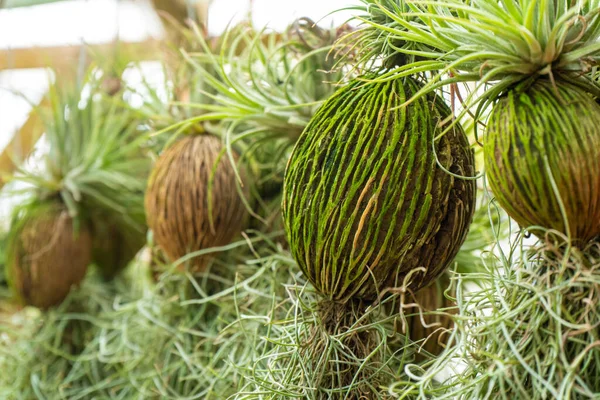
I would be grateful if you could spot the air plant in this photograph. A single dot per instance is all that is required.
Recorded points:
(92, 166)
(373, 202)
(528, 59)
(523, 334)
(265, 87)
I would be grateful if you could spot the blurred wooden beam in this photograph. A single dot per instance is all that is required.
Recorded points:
(62, 60)
(179, 12)
(177, 9)
(22, 143)
(64, 57)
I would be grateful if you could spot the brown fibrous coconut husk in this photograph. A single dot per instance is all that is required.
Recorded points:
(48, 257)
(178, 195)
(115, 247)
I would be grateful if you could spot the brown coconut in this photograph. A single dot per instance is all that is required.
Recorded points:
(48, 257)
(184, 209)
(115, 247)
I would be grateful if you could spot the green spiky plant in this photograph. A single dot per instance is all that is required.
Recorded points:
(265, 87)
(531, 62)
(92, 167)
(533, 65)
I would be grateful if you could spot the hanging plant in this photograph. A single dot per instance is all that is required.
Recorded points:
(92, 166)
(192, 202)
(533, 64)
(47, 255)
(374, 200)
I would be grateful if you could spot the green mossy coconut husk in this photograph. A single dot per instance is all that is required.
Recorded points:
(47, 255)
(368, 208)
(542, 156)
(192, 201)
(365, 201)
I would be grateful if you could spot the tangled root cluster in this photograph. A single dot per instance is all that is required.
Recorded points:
(533, 331)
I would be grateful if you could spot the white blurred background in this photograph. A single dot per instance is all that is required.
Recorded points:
(72, 22)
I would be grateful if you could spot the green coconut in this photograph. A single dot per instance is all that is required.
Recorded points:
(192, 201)
(372, 198)
(542, 157)
(47, 255)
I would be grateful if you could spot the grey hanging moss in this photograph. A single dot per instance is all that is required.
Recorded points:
(365, 202)
(543, 135)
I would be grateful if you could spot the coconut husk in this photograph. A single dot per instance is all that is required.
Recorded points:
(541, 152)
(114, 247)
(425, 327)
(367, 205)
(47, 257)
(192, 203)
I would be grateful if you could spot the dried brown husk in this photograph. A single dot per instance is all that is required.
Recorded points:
(47, 256)
(114, 247)
(192, 201)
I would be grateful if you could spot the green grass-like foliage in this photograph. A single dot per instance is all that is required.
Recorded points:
(530, 332)
(371, 197)
(304, 361)
(171, 337)
(265, 81)
(264, 87)
(541, 154)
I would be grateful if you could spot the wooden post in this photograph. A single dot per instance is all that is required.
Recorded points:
(22, 143)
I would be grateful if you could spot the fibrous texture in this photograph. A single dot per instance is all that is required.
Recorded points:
(365, 202)
(47, 257)
(115, 245)
(192, 202)
(542, 155)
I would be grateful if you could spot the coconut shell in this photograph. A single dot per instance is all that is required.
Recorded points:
(431, 327)
(180, 208)
(115, 247)
(543, 140)
(47, 257)
(365, 203)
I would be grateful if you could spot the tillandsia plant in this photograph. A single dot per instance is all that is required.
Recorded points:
(260, 90)
(532, 62)
(374, 201)
(529, 332)
(265, 87)
(141, 339)
(196, 197)
(117, 240)
(92, 166)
